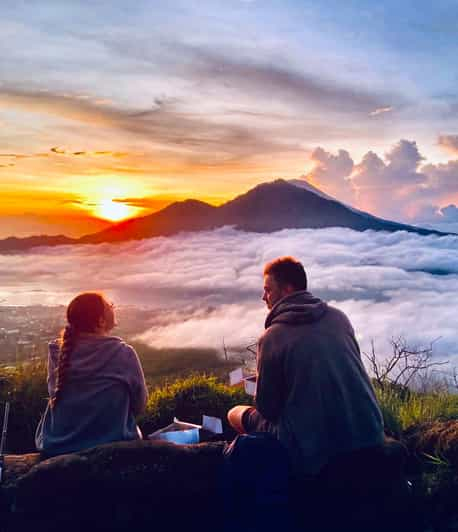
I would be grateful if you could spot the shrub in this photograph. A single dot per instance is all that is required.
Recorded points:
(403, 410)
(170, 364)
(25, 388)
(435, 490)
(188, 399)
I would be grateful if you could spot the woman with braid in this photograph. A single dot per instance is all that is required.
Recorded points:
(95, 382)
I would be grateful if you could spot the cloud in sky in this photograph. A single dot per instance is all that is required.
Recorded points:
(442, 218)
(285, 84)
(218, 97)
(399, 168)
(152, 204)
(331, 173)
(380, 111)
(398, 185)
(256, 59)
(58, 150)
(22, 155)
(186, 135)
(449, 143)
(442, 183)
(450, 213)
(388, 283)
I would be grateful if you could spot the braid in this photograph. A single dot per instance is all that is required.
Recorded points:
(83, 316)
(67, 344)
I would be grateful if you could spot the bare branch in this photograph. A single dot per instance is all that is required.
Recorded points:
(405, 364)
(252, 348)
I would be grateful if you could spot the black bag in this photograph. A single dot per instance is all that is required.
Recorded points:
(256, 484)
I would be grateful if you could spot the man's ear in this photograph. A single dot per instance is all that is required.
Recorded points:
(289, 289)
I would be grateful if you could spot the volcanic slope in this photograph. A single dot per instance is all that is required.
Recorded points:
(265, 208)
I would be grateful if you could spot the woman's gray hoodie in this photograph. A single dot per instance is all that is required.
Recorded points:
(312, 384)
(103, 392)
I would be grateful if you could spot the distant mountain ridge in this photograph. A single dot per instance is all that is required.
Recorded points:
(265, 208)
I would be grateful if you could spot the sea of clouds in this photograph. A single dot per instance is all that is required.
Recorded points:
(209, 284)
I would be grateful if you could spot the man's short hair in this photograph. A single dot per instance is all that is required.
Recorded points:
(287, 271)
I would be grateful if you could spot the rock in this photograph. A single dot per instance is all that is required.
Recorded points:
(17, 465)
(147, 485)
(117, 486)
(438, 438)
(433, 469)
(360, 493)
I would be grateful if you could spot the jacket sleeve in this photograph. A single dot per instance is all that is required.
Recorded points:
(137, 384)
(270, 394)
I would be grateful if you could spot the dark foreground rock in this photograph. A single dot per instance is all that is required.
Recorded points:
(437, 439)
(433, 469)
(115, 487)
(149, 485)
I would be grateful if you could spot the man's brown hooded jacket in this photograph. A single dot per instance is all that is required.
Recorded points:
(312, 384)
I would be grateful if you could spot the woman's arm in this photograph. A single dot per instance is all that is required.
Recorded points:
(53, 360)
(137, 384)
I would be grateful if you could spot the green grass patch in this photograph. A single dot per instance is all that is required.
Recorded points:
(188, 399)
(175, 380)
(162, 366)
(25, 388)
(402, 410)
(188, 383)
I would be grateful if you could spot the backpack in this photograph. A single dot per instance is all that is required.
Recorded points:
(256, 484)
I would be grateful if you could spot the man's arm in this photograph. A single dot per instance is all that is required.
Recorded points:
(270, 393)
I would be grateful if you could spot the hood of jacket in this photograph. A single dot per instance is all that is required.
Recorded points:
(296, 309)
(91, 354)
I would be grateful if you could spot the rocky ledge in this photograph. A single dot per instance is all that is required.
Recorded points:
(148, 485)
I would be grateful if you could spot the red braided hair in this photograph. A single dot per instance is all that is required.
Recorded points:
(83, 315)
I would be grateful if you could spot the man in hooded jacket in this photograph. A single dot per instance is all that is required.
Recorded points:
(312, 392)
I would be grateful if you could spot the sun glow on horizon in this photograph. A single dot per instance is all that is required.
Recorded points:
(114, 211)
(109, 197)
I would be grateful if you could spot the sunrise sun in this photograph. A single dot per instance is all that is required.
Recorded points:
(114, 211)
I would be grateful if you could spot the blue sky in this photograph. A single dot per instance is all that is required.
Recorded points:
(209, 98)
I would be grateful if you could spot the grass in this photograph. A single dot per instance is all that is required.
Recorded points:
(188, 399)
(188, 383)
(162, 366)
(25, 388)
(403, 410)
(182, 382)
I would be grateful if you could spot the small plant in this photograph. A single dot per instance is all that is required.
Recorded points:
(435, 491)
(188, 399)
(25, 388)
(402, 410)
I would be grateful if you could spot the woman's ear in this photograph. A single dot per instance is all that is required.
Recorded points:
(102, 325)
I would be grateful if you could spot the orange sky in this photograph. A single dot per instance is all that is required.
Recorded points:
(204, 101)
(70, 188)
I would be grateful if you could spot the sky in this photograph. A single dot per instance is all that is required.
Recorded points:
(111, 109)
(390, 285)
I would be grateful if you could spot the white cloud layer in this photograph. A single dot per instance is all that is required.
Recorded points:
(209, 284)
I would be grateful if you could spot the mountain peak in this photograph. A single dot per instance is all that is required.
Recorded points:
(187, 205)
(302, 183)
(268, 207)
